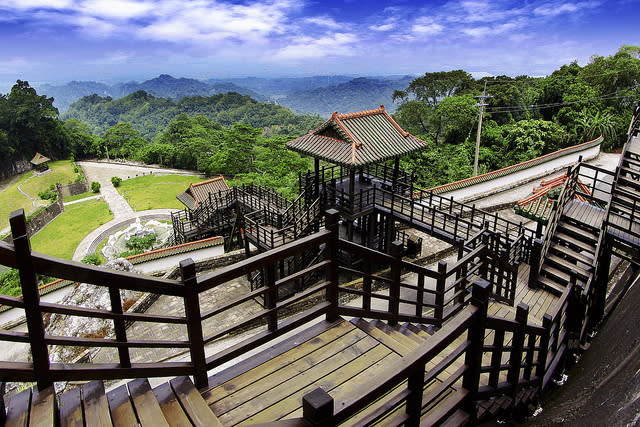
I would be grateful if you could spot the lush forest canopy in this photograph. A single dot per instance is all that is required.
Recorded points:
(525, 117)
(150, 116)
(238, 136)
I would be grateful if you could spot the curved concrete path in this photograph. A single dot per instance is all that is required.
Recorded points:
(123, 214)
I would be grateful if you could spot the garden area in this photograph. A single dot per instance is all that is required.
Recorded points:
(156, 192)
(11, 199)
(61, 236)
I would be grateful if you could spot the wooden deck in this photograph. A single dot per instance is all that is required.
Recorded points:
(175, 403)
(339, 358)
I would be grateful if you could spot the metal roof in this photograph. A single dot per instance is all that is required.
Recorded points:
(357, 139)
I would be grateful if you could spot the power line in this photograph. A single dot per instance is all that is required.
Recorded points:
(521, 108)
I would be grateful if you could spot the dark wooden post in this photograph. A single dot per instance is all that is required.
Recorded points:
(601, 280)
(517, 346)
(440, 286)
(396, 171)
(119, 327)
(31, 298)
(473, 356)
(534, 263)
(460, 273)
(415, 384)
(316, 179)
(331, 221)
(271, 296)
(545, 338)
(394, 289)
(317, 408)
(194, 322)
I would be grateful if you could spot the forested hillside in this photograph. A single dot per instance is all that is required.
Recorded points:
(164, 86)
(235, 135)
(525, 117)
(355, 95)
(150, 115)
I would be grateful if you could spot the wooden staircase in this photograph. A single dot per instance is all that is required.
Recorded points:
(623, 220)
(339, 357)
(571, 252)
(174, 403)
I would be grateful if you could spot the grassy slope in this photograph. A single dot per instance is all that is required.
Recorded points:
(61, 236)
(156, 192)
(11, 199)
(62, 173)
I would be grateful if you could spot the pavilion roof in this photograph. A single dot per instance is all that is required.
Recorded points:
(38, 159)
(357, 139)
(198, 192)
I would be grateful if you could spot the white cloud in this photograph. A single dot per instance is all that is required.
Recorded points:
(340, 44)
(35, 4)
(116, 9)
(323, 21)
(559, 8)
(427, 29)
(383, 27)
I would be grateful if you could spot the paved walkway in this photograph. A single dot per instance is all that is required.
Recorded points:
(123, 214)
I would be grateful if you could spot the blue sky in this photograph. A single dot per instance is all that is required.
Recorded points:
(115, 40)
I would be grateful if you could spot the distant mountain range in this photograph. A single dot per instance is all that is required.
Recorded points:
(319, 95)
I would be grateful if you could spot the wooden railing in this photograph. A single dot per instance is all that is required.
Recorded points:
(540, 350)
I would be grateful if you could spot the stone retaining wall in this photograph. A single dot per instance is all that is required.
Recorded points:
(40, 219)
(72, 189)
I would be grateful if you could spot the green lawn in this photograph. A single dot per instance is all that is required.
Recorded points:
(62, 172)
(156, 192)
(11, 199)
(80, 196)
(61, 236)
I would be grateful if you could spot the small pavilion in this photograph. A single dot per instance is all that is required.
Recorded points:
(197, 193)
(356, 141)
(40, 163)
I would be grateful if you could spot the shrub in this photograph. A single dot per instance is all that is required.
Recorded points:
(93, 259)
(50, 194)
(95, 186)
(116, 180)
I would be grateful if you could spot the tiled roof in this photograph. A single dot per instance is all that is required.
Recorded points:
(200, 191)
(39, 159)
(357, 139)
(538, 206)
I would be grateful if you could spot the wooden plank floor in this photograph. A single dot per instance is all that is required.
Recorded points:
(585, 213)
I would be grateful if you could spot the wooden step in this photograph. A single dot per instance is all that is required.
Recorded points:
(550, 285)
(566, 251)
(381, 336)
(145, 403)
(630, 173)
(567, 266)
(555, 273)
(395, 334)
(445, 409)
(627, 191)
(404, 329)
(18, 409)
(459, 418)
(628, 162)
(94, 404)
(427, 328)
(193, 404)
(583, 246)
(628, 182)
(581, 233)
(419, 331)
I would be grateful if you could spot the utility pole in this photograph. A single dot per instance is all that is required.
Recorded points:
(481, 104)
